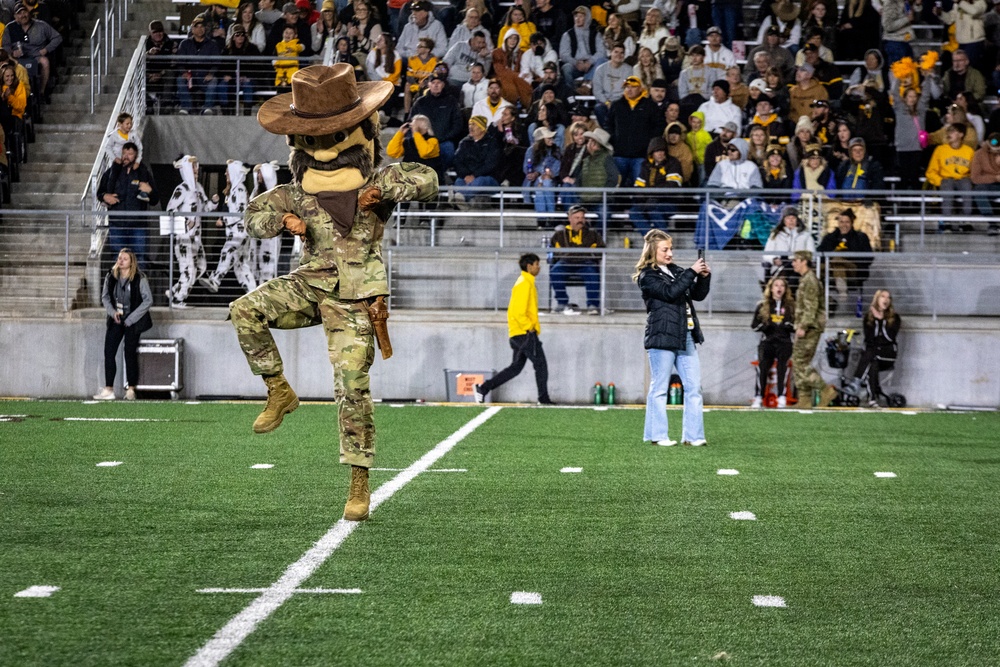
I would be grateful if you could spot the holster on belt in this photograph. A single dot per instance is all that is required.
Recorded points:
(378, 313)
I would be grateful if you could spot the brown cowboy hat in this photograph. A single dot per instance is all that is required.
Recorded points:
(786, 10)
(323, 100)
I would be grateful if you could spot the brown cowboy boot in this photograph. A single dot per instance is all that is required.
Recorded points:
(356, 508)
(280, 401)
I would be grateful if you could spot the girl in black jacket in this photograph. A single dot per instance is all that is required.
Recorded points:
(672, 331)
(881, 325)
(127, 299)
(775, 320)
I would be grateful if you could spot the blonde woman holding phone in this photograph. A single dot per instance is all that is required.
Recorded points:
(672, 332)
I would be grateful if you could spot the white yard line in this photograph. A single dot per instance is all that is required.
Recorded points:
(434, 470)
(232, 634)
(344, 591)
(110, 419)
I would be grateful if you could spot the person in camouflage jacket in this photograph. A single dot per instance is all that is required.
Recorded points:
(338, 205)
(810, 321)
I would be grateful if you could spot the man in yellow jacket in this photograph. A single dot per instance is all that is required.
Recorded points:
(523, 329)
(950, 169)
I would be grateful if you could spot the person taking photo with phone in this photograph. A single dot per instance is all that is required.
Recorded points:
(672, 332)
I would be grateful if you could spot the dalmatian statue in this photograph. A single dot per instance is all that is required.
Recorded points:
(236, 254)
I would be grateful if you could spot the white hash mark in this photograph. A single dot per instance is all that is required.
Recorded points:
(769, 601)
(524, 597)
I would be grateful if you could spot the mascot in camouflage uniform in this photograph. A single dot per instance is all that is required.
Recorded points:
(338, 204)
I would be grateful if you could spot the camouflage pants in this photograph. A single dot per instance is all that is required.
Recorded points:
(288, 302)
(807, 378)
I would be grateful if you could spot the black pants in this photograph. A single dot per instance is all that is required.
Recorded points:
(767, 353)
(112, 339)
(526, 346)
(868, 370)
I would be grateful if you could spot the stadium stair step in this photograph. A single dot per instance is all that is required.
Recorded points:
(55, 175)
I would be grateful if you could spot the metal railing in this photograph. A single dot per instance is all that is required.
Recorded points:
(440, 255)
(132, 100)
(103, 43)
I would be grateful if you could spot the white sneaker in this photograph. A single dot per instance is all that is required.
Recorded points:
(570, 310)
(665, 443)
(756, 403)
(781, 402)
(478, 393)
(105, 394)
(130, 394)
(697, 443)
(593, 311)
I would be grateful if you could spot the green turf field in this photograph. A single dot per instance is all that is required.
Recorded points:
(635, 558)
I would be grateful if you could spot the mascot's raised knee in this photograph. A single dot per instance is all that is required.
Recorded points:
(337, 204)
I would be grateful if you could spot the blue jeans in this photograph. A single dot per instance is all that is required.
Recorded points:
(651, 216)
(984, 203)
(447, 150)
(570, 73)
(693, 36)
(543, 194)
(468, 189)
(128, 237)
(210, 87)
(726, 17)
(661, 363)
(591, 277)
(896, 51)
(629, 168)
(246, 88)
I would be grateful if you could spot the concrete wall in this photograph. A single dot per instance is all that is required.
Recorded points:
(950, 361)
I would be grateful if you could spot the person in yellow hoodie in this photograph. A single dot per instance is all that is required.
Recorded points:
(698, 140)
(950, 170)
(287, 63)
(523, 329)
(415, 142)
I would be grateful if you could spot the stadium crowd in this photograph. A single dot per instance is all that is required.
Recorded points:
(33, 34)
(621, 94)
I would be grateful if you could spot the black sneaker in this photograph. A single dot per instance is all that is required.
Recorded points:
(943, 228)
(994, 230)
(478, 393)
(967, 229)
(546, 401)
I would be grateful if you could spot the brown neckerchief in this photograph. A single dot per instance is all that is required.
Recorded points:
(341, 206)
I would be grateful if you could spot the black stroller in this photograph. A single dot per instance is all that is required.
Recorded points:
(843, 353)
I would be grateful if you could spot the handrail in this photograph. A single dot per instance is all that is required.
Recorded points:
(96, 63)
(132, 100)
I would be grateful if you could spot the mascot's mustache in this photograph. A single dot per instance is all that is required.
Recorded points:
(357, 157)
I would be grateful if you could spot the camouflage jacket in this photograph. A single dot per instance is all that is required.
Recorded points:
(809, 313)
(350, 268)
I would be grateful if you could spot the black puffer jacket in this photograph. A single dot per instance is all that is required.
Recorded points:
(665, 298)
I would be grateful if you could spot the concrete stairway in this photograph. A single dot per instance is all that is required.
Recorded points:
(54, 178)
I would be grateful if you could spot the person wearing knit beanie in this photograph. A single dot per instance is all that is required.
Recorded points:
(720, 109)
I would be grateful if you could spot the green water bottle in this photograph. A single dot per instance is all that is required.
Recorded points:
(598, 393)
(611, 393)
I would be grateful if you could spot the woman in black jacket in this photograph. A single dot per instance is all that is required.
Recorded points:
(127, 299)
(775, 320)
(672, 331)
(881, 325)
